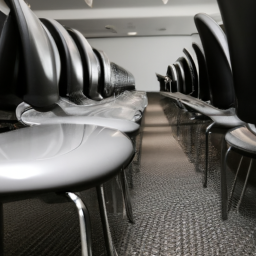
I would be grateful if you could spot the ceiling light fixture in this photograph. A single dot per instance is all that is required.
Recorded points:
(89, 2)
(132, 33)
(165, 1)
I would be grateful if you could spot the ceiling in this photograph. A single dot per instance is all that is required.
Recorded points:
(146, 17)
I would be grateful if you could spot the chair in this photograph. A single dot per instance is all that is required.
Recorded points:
(66, 162)
(222, 111)
(52, 60)
(204, 90)
(99, 70)
(163, 80)
(193, 72)
(61, 109)
(239, 19)
(172, 75)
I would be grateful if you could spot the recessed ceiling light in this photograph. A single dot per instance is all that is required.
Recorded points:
(165, 1)
(132, 33)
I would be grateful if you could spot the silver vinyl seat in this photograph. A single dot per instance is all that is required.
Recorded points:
(63, 159)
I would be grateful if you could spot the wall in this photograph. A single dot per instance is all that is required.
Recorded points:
(144, 56)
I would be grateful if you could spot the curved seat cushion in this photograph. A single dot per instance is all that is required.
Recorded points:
(225, 118)
(65, 110)
(193, 73)
(242, 140)
(61, 157)
(38, 58)
(217, 57)
(204, 90)
(187, 77)
(171, 73)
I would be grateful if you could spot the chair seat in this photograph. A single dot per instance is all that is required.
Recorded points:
(242, 139)
(226, 118)
(62, 157)
(64, 109)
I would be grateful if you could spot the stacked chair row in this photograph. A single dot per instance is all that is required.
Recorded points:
(226, 84)
(83, 109)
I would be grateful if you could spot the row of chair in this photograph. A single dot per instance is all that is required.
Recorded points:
(223, 100)
(83, 109)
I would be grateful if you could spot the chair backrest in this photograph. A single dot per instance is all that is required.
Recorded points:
(40, 61)
(180, 77)
(217, 57)
(186, 75)
(239, 20)
(9, 65)
(171, 73)
(93, 81)
(2, 21)
(193, 73)
(71, 79)
(204, 90)
(115, 77)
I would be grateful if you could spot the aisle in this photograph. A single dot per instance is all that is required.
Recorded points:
(174, 214)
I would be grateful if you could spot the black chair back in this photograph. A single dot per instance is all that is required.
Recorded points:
(171, 73)
(10, 79)
(93, 80)
(185, 75)
(239, 21)
(180, 77)
(217, 57)
(71, 79)
(204, 90)
(193, 73)
(39, 58)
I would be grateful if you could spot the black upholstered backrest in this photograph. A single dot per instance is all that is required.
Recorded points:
(204, 90)
(93, 86)
(193, 73)
(217, 57)
(180, 77)
(71, 78)
(240, 22)
(2, 21)
(186, 75)
(9, 65)
(105, 76)
(171, 73)
(40, 88)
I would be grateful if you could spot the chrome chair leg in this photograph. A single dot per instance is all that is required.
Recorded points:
(245, 185)
(84, 221)
(234, 183)
(2, 229)
(206, 153)
(105, 224)
(126, 196)
(224, 194)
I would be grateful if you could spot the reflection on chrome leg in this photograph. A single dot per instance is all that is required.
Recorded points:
(84, 222)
